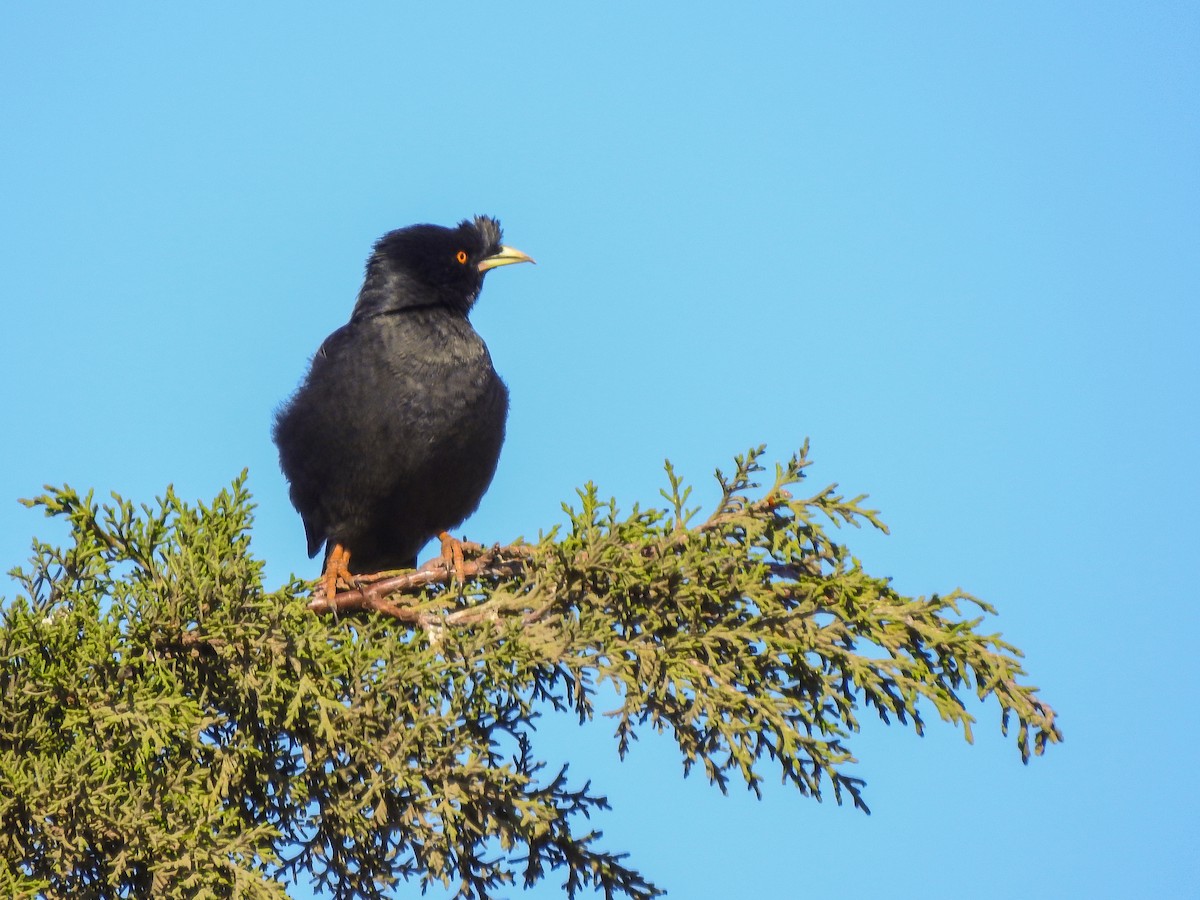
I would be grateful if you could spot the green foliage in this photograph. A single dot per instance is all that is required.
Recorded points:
(169, 728)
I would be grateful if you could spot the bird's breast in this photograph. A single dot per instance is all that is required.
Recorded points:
(440, 384)
(449, 353)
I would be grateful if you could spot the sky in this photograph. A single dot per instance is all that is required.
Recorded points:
(956, 245)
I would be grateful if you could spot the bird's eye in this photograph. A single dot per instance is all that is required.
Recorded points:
(461, 256)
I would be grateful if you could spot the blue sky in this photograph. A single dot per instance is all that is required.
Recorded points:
(957, 245)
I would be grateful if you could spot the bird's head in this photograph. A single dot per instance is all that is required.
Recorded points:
(429, 265)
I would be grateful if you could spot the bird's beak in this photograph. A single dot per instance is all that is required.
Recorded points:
(506, 257)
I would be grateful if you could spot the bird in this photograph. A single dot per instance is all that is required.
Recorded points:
(394, 434)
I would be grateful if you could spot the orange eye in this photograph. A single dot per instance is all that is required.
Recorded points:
(461, 256)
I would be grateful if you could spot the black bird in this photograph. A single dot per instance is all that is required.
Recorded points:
(394, 435)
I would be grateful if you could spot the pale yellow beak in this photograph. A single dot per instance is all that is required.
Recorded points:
(506, 257)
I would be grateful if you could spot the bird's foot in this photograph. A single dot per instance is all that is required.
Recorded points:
(336, 566)
(452, 555)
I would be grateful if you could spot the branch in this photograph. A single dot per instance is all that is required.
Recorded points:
(371, 595)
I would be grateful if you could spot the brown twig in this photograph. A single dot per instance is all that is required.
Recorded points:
(373, 591)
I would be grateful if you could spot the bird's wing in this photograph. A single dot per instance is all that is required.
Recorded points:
(303, 432)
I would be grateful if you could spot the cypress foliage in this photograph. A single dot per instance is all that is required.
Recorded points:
(171, 728)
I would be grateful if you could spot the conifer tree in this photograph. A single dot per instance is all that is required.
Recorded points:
(169, 727)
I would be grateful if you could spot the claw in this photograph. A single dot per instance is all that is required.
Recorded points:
(452, 555)
(336, 566)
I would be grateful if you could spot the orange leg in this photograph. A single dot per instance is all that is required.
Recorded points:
(337, 566)
(452, 555)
